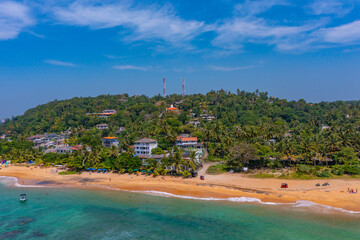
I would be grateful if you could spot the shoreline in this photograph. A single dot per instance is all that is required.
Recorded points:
(227, 187)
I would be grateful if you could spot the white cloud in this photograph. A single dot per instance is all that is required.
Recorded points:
(336, 7)
(60, 63)
(145, 23)
(229, 69)
(131, 67)
(14, 18)
(251, 7)
(345, 34)
(235, 32)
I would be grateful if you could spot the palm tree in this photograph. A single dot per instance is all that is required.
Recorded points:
(192, 162)
(176, 160)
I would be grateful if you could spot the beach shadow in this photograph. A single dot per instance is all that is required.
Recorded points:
(47, 182)
(86, 180)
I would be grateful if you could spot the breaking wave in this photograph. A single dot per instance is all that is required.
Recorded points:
(13, 181)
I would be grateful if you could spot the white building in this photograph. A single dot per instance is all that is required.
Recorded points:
(102, 126)
(145, 146)
(110, 141)
(187, 142)
(324, 127)
(111, 111)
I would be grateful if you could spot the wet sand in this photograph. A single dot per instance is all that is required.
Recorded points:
(214, 186)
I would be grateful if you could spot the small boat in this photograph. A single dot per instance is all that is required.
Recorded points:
(23, 197)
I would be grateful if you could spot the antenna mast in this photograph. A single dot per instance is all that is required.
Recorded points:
(183, 87)
(164, 88)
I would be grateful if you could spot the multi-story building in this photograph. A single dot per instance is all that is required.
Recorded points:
(110, 141)
(145, 146)
(187, 142)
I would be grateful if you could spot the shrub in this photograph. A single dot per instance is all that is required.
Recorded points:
(338, 170)
(304, 169)
(324, 173)
(352, 169)
(68, 172)
(262, 175)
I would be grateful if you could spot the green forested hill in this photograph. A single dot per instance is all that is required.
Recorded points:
(255, 118)
(241, 109)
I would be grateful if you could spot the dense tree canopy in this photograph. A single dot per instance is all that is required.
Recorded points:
(282, 132)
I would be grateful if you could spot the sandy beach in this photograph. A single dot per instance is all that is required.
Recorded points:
(215, 186)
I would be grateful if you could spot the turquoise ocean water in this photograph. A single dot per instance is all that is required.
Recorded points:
(55, 213)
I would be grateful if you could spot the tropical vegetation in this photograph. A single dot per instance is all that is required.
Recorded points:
(249, 130)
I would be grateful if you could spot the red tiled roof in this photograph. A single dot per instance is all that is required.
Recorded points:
(107, 113)
(186, 139)
(109, 137)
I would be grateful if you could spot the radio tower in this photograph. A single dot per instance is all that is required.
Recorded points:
(183, 87)
(164, 88)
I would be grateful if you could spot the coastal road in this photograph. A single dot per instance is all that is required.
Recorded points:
(205, 167)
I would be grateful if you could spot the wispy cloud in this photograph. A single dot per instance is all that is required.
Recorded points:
(229, 69)
(346, 34)
(238, 31)
(143, 22)
(110, 56)
(60, 63)
(253, 7)
(131, 67)
(328, 7)
(15, 17)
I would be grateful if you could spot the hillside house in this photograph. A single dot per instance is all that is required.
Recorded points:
(121, 129)
(324, 127)
(195, 123)
(173, 109)
(145, 146)
(110, 141)
(187, 142)
(102, 126)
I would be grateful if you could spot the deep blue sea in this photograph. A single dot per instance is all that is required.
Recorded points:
(56, 213)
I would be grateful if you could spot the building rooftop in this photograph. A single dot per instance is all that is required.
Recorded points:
(109, 138)
(148, 156)
(146, 140)
(186, 139)
(172, 108)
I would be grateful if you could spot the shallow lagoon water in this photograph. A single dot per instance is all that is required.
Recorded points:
(57, 213)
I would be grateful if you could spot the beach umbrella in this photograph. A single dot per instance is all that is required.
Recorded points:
(104, 169)
(88, 169)
(93, 169)
(149, 171)
(135, 170)
(143, 171)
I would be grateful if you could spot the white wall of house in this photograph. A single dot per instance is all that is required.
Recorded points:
(145, 148)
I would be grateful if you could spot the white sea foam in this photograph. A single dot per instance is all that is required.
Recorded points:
(298, 204)
(13, 181)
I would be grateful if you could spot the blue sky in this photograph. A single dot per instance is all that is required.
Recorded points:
(58, 49)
